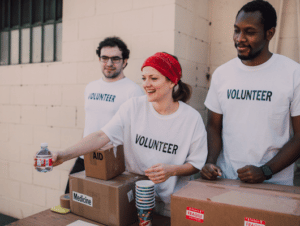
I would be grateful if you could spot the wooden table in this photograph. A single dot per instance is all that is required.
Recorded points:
(49, 218)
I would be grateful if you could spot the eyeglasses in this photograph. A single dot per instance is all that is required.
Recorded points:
(114, 59)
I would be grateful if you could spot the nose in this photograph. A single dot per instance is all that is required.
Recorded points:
(145, 83)
(109, 62)
(240, 37)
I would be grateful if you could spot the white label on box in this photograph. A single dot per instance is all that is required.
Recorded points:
(194, 214)
(130, 195)
(254, 222)
(81, 198)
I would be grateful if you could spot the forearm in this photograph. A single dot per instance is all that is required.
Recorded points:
(88, 144)
(186, 169)
(287, 155)
(214, 145)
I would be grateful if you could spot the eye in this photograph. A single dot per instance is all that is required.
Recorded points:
(143, 78)
(153, 78)
(116, 58)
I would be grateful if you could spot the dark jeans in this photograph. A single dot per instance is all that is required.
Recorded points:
(78, 167)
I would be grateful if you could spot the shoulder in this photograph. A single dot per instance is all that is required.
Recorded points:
(189, 111)
(286, 62)
(135, 102)
(93, 83)
(225, 68)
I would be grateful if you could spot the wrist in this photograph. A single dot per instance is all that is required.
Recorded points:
(267, 171)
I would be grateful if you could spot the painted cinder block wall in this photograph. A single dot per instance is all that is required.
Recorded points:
(44, 102)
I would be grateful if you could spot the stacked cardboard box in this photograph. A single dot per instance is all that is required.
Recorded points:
(233, 203)
(104, 192)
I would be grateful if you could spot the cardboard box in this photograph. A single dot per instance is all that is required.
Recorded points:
(107, 202)
(213, 204)
(106, 163)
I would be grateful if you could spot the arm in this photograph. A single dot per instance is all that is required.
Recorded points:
(161, 172)
(287, 155)
(88, 144)
(214, 141)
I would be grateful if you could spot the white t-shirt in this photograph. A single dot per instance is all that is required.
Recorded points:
(150, 138)
(103, 99)
(256, 104)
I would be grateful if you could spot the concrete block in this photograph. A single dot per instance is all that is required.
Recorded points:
(198, 98)
(10, 151)
(10, 75)
(184, 20)
(21, 172)
(4, 135)
(3, 170)
(88, 72)
(5, 94)
(62, 73)
(86, 51)
(73, 9)
(33, 194)
(34, 115)
(164, 18)
(289, 26)
(11, 189)
(198, 51)
(53, 197)
(182, 3)
(22, 95)
(202, 8)
(221, 53)
(48, 95)
(289, 47)
(10, 114)
(201, 29)
(61, 116)
(69, 137)
(289, 7)
(133, 22)
(70, 51)
(46, 134)
(73, 95)
(19, 210)
(133, 70)
(203, 114)
(22, 134)
(222, 31)
(201, 71)
(49, 180)
(80, 117)
(188, 71)
(37, 209)
(34, 74)
(27, 153)
(112, 6)
(225, 9)
(137, 4)
(181, 45)
(4, 205)
(70, 30)
(64, 176)
(95, 27)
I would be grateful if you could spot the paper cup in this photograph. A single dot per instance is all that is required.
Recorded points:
(145, 207)
(144, 193)
(144, 189)
(144, 184)
(145, 216)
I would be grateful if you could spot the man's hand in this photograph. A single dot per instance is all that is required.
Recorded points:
(160, 172)
(56, 159)
(251, 174)
(210, 171)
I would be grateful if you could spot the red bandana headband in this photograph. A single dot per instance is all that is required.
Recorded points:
(166, 65)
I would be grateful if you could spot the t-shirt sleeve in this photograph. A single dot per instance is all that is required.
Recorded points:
(295, 104)
(116, 127)
(212, 100)
(198, 149)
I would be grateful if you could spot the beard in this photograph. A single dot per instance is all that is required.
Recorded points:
(111, 74)
(252, 55)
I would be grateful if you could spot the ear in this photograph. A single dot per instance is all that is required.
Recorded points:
(270, 33)
(124, 63)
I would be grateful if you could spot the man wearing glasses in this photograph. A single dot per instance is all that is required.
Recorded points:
(103, 97)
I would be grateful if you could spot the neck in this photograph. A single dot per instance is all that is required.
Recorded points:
(166, 107)
(262, 58)
(119, 77)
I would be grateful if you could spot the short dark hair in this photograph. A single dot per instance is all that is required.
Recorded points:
(268, 13)
(112, 42)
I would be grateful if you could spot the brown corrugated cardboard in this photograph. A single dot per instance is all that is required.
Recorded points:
(217, 204)
(108, 202)
(103, 164)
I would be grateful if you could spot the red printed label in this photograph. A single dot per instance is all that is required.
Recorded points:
(194, 214)
(254, 222)
(43, 162)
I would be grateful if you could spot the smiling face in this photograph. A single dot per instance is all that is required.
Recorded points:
(112, 70)
(250, 39)
(157, 87)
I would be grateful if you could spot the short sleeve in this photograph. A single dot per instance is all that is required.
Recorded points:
(198, 149)
(115, 128)
(212, 100)
(295, 104)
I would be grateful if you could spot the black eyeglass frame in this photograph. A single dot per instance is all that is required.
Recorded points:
(114, 59)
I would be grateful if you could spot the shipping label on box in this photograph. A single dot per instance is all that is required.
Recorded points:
(105, 163)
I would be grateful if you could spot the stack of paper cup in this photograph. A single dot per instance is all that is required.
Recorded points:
(145, 201)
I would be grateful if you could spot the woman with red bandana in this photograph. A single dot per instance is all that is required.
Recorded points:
(163, 137)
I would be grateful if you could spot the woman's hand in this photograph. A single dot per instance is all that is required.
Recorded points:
(160, 172)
